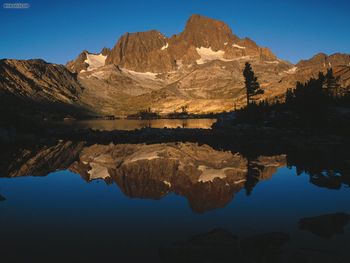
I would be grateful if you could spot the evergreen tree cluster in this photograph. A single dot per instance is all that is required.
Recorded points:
(314, 103)
(316, 93)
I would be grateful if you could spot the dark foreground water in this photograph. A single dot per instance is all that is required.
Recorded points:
(168, 203)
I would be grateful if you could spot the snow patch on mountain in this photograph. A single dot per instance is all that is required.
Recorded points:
(179, 63)
(95, 61)
(292, 70)
(238, 46)
(165, 46)
(140, 75)
(207, 54)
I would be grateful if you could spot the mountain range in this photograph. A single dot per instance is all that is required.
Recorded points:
(200, 68)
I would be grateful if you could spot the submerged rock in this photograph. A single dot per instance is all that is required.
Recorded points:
(220, 245)
(325, 226)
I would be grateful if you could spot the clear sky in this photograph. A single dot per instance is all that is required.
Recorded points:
(59, 30)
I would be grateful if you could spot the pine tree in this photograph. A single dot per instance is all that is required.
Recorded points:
(289, 96)
(322, 80)
(252, 85)
(252, 177)
(332, 84)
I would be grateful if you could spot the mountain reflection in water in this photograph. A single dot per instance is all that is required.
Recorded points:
(267, 213)
(208, 178)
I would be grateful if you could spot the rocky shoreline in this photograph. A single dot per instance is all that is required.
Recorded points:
(239, 134)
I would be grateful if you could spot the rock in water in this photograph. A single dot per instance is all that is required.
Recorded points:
(325, 226)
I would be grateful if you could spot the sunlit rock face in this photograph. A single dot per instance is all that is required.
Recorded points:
(201, 67)
(305, 69)
(325, 61)
(142, 52)
(202, 37)
(78, 64)
(38, 81)
(87, 61)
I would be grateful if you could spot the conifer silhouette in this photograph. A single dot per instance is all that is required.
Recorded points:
(252, 85)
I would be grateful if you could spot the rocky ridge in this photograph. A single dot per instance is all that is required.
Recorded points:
(38, 80)
(204, 39)
(200, 68)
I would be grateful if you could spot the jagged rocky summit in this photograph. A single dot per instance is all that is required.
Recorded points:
(200, 68)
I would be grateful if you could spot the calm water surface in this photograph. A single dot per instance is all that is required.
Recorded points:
(139, 203)
(124, 124)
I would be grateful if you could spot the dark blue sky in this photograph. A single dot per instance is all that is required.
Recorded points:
(58, 31)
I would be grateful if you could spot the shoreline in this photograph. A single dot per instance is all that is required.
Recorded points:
(240, 135)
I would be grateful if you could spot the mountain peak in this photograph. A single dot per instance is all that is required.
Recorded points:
(201, 31)
(88, 61)
(200, 21)
(105, 51)
(142, 51)
(204, 39)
